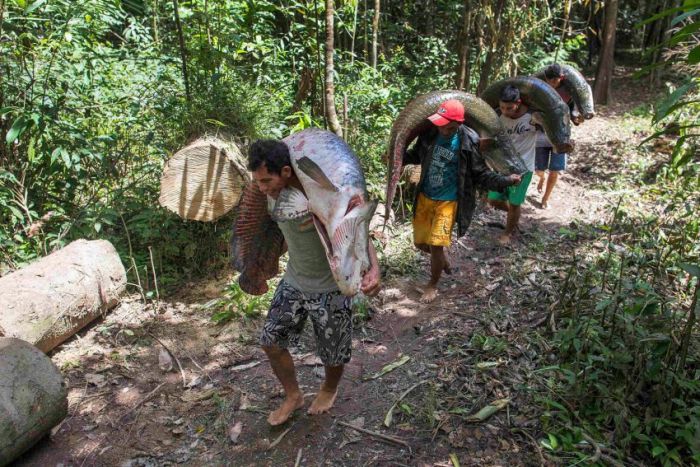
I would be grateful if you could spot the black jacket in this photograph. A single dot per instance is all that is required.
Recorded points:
(472, 171)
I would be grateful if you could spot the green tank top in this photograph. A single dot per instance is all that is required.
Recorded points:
(307, 268)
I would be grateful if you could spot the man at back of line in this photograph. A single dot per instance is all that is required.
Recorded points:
(545, 157)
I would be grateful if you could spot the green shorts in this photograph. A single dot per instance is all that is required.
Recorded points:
(514, 194)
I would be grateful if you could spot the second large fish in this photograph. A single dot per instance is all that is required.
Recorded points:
(413, 120)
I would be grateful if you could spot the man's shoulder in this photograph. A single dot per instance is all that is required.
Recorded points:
(468, 136)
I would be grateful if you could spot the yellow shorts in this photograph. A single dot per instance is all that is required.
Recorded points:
(432, 224)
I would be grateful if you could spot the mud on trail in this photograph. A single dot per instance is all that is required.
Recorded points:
(135, 403)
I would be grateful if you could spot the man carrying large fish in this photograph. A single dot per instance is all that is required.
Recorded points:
(451, 166)
(576, 93)
(308, 195)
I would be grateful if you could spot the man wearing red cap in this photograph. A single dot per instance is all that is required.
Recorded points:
(451, 167)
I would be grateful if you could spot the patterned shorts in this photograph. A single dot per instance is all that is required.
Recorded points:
(331, 317)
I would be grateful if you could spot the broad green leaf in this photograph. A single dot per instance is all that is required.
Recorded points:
(683, 33)
(18, 127)
(17, 213)
(685, 15)
(663, 14)
(55, 154)
(98, 227)
(694, 55)
(65, 155)
(692, 269)
(657, 451)
(34, 6)
(670, 101)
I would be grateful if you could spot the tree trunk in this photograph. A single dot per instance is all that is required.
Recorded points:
(354, 32)
(567, 14)
(48, 301)
(606, 63)
(494, 34)
(463, 47)
(155, 22)
(331, 115)
(34, 398)
(375, 32)
(183, 52)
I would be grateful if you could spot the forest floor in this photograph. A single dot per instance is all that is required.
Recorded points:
(471, 347)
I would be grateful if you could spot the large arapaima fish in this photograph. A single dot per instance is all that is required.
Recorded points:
(576, 85)
(413, 120)
(335, 195)
(540, 97)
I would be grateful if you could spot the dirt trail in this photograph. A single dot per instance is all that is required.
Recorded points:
(467, 349)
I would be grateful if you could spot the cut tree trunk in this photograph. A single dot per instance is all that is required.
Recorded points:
(33, 398)
(48, 301)
(204, 180)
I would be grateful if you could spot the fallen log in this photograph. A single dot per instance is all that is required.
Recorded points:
(33, 398)
(48, 301)
(204, 180)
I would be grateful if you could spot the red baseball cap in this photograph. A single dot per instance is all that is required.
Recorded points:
(449, 111)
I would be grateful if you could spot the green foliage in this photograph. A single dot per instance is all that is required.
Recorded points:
(235, 303)
(627, 371)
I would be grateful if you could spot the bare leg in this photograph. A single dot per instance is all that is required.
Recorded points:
(423, 247)
(551, 181)
(283, 367)
(540, 182)
(511, 224)
(499, 204)
(438, 263)
(328, 391)
(426, 248)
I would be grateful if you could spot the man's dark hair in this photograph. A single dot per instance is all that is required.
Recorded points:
(510, 94)
(271, 152)
(553, 71)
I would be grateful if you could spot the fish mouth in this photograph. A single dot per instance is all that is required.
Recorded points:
(589, 115)
(325, 239)
(346, 247)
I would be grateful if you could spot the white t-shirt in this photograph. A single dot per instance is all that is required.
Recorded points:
(523, 134)
(542, 140)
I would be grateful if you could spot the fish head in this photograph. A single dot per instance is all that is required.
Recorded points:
(345, 236)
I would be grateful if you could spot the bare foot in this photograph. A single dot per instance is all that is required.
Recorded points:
(290, 404)
(545, 204)
(540, 185)
(504, 239)
(429, 294)
(323, 402)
